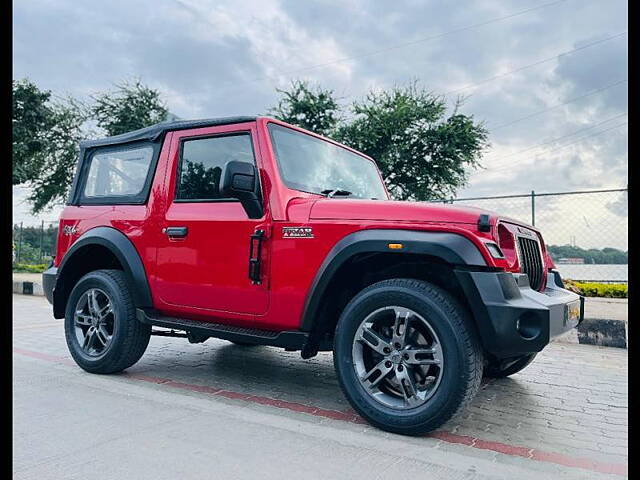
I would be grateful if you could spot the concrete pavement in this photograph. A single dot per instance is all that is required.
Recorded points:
(606, 308)
(217, 410)
(27, 277)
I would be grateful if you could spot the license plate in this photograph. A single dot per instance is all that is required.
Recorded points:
(572, 313)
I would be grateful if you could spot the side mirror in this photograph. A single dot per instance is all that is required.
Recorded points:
(240, 180)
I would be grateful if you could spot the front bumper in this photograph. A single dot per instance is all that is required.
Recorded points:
(512, 318)
(49, 277)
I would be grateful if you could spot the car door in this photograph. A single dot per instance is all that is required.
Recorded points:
(203, 259)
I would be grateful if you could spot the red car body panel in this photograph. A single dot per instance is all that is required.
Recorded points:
(204, 276)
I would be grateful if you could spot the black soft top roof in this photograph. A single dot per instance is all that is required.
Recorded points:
(157, 131)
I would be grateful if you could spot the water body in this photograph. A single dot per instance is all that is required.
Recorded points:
(595, 272)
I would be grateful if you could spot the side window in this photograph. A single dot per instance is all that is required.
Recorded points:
(201, 162)
(118, 173)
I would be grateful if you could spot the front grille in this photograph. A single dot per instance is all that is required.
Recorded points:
(531, 261)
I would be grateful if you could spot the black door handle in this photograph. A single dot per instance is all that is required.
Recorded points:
(176, 232)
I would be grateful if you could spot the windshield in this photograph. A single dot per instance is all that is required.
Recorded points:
(316, 166)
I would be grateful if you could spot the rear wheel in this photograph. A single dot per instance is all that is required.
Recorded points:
(102, 332)
(501, 369)
(406, 356)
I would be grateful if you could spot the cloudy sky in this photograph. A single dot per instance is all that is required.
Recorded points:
(549, 78)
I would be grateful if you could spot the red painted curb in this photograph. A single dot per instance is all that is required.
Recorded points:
(448, 437)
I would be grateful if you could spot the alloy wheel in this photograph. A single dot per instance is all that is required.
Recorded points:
(94, 322)
(397, 357)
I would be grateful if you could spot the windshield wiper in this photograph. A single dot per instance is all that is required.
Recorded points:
(330, 192)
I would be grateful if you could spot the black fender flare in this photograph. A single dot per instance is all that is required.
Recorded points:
(126, 253)
(452, 248)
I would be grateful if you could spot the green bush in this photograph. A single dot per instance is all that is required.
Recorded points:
(24, 268)
(28, 254)
(592, 289)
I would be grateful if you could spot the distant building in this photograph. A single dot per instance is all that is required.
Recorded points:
(571, 260)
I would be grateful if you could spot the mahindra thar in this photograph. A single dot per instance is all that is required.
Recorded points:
(260, 233)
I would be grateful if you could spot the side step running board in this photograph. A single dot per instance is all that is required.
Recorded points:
(290, 340)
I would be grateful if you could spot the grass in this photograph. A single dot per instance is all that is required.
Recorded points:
(592, 289)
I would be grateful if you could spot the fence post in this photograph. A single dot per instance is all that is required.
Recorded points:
(41, 238)
(19, 244)
(533, 208)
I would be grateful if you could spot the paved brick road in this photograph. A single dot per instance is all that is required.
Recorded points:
(216, 410)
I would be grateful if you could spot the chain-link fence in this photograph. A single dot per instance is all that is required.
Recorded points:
(34, 245)
(586, 232)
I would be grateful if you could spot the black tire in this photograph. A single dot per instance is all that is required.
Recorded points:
(129, 338)
(495, 369)
(461, 350)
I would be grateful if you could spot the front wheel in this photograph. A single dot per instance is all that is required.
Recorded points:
(101, 328)
(406, 356)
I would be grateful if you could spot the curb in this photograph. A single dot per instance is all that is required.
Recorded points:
(598, 331)
(28, 288)
(592, 331)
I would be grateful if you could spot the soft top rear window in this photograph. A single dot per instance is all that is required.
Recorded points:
(118, 174)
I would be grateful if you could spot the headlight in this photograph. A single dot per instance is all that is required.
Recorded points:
(507, 243)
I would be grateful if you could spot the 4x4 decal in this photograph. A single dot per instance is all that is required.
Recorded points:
(69, 230)
(297, 232)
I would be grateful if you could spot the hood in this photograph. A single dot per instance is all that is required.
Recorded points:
(382, 210)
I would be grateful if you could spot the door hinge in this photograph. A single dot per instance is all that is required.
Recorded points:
(255, 250)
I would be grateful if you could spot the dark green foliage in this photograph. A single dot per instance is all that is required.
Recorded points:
(32, 236)
(51, 185)
(308, 107)
(199, 182)
(611, 256)
(32, 119)
(45, 142)
(32, 239)
(423, 152)
(46, 134)
(130, 107)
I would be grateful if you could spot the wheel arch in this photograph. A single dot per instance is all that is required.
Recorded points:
(98, 248)
(365, 255)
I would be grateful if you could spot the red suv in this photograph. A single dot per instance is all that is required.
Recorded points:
(254, 231)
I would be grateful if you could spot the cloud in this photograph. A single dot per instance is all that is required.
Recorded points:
(21, 210)
(606, 64)
(619, 206)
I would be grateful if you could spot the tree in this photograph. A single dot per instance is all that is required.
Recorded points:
(51, 185)
(31, 120)
(46, 133)
(200, 182)
(308, 107)
(45, 142)
(131, 106)
(35, 243)
(606, 255)
(423, 153)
